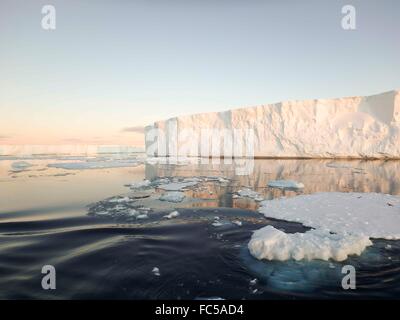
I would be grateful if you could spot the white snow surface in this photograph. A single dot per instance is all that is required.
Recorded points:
(374, 215)
(356, 127)
(343, 225)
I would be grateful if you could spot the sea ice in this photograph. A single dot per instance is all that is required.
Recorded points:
(285, 184)
(343, 225)
(272, 244)
(371, 214)
(119, 200)
(171, 215)
(248, 193)
(173, 196)
(237, 222)
(140, 184)
(176, 186)
(156, 271)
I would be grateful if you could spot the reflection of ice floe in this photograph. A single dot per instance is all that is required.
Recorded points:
(19, 166)
(339, 165)
(285, 184)
(352, 217)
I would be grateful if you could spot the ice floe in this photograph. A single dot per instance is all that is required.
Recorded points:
(272, 244)
(176, 186)
(344, 223)
(285, 184)
(158, 195)
(173, 196)
(156, 271)
(172, 215)
(140, 184)
(248, 193)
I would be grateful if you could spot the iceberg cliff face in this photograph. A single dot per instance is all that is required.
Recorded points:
(354, 127)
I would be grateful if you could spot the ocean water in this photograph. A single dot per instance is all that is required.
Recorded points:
(54, 211)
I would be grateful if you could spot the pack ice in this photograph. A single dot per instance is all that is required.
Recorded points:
(356, 127)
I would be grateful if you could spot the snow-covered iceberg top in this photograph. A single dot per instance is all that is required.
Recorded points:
(343, 225)
(354, 127)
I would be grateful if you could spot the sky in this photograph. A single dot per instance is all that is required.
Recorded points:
(111, 67)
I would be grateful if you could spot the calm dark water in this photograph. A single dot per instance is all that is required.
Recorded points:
(44, 220)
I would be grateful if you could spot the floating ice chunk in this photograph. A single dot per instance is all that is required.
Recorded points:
(272, 244)
(133, 212)
(237, 222)
(253, 282)
(343, 224)
(142, 216)
(140, 184)
(176, 186)
(102, 213)
(171, 215)
(285, 184)
(341, 212)
(173, 196)
(19, 166)
(156, 271)
(217, 222)
(248, 193)
(192, 179)
(119, 200)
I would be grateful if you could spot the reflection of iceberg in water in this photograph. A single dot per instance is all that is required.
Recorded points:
(316, 175)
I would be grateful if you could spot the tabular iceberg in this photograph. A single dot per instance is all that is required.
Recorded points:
(353, 127)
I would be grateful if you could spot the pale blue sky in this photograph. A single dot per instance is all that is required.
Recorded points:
(116, 64)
